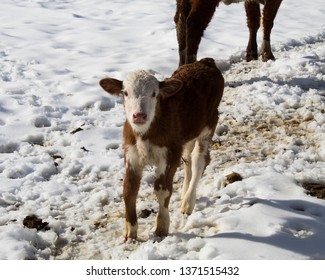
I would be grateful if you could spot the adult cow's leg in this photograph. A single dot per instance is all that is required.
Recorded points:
(197, 21)
(253, 15)
(163, 190)
(269, 12)
(183, 8)
(130, 192)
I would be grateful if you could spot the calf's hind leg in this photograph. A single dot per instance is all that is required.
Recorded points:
(187, 166)
(199, 158)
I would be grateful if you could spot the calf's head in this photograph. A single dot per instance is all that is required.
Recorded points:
(141, 92)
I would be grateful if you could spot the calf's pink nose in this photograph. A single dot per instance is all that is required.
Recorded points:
(139, 117)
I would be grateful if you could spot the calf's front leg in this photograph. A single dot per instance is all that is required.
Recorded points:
(163, 190)
(130, 192)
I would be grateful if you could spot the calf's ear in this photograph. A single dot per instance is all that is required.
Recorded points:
(170, 87)
(111, 85)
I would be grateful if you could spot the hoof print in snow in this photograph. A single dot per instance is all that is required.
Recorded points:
(34, 222)
(298, 207)
(40, 122)
(9, 148)
(100, 224)
(35, 139)
(233, 177)
(112, 146)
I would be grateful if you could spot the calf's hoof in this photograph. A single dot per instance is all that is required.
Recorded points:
(130, 238)
(131, 231)
(187, 206)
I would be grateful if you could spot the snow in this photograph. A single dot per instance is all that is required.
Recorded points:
(61, 155)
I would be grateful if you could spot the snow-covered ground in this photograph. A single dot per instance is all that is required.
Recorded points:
(61, 155)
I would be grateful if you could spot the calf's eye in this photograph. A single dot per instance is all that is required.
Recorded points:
(153, 94)
(125, 93)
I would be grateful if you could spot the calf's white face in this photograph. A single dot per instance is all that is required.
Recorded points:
(140, 91)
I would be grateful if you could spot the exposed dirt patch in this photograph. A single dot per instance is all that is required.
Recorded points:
(315, 189)
(34, 222)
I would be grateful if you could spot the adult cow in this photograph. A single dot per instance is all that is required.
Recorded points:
(193, 16)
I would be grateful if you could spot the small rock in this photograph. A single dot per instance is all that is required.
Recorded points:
(233, 177)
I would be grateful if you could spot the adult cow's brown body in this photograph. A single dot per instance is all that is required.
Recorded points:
(193, 16)
(163, 121)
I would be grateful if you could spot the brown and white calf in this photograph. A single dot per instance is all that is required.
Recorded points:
(165, 120)
(193, 16)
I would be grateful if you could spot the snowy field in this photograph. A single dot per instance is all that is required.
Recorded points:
(61, 155)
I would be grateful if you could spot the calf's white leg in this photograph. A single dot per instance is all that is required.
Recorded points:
(187, 158)
(163, 190)
(199, 160)
(162, 220)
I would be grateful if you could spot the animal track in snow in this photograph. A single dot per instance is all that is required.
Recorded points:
(9, 148)
(301, 207)
(298, 230)
(42, 122)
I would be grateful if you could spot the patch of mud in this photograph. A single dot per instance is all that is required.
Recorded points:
(315, 189)
(34, 222)
(272, 117)
(259, 139)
